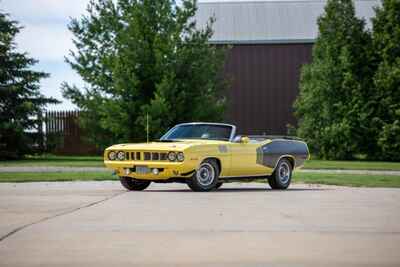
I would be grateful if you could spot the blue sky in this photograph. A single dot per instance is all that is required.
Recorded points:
(45, 37)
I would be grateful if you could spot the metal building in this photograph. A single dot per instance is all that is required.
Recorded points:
(270, 41)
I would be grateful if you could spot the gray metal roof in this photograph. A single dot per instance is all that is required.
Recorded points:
(292, 21)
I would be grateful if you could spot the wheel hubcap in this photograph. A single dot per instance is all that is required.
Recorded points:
(284, 172)
(206, 174)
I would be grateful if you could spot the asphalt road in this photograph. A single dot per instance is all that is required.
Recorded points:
(99, 224)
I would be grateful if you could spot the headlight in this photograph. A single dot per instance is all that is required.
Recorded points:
(111, 155)
(171, 156)
(180, 156)
(121, 155)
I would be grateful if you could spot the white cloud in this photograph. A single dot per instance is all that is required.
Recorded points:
(45, 35)
(39, 10)
(46, 42)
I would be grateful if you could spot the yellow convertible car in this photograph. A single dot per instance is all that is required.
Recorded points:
(204, 155)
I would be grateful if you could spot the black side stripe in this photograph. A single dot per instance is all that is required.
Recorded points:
(269, 154)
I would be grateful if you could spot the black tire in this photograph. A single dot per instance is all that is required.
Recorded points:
(133, 184)
(205, 178)
(218, 185)
(282, 175)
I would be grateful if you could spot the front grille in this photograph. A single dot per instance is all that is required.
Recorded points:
(155, 156)
(146, 156)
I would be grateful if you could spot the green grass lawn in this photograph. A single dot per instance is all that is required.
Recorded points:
(310, 178)
(355, 180)
(19, 177)
(352, 165)
(97, 161)
(62, 161)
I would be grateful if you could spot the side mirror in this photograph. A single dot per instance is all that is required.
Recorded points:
(244, 139)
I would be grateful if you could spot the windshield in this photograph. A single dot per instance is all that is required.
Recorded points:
(199, 131)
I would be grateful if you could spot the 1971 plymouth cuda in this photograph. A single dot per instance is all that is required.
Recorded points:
(204, 155)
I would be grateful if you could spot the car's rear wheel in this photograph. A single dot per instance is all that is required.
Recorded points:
(282, 175)
(205, 178)
(133, 184)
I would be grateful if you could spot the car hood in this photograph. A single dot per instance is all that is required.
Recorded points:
(167, 146)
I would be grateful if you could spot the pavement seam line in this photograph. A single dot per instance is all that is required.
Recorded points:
(20, 228)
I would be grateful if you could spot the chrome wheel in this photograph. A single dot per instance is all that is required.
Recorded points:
(205, 174)
(284, 172)
(205, 178)
(281, 177)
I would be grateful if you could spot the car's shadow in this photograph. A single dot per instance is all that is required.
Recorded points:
(241, 189)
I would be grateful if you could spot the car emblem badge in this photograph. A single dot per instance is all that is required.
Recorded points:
(222, 149)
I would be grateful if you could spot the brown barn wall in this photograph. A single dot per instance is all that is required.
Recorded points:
(264, 82)
(64, 136)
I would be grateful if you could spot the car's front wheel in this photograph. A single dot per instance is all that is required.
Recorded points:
(218, 185)
(282, 175)
(205, 178)
(133, 184)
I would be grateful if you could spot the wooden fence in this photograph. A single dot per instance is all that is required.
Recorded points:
(64, 136)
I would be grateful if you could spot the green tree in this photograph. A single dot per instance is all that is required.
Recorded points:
(386, 40)
(20, 98)
(141, 57)
(333, 106)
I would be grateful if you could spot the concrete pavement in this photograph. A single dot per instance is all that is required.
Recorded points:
(100, 224)
(103, 169)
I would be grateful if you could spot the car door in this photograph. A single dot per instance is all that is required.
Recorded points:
(244, 160)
